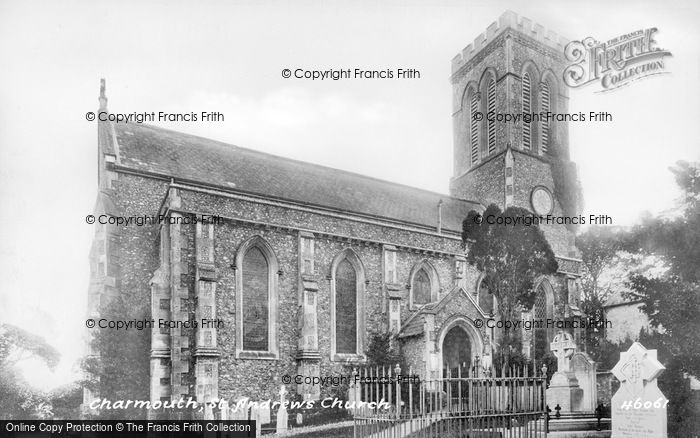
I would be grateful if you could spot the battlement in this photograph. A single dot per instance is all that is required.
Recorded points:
(509, 19)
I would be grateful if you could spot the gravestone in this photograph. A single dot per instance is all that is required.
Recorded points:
(564, 388)
(208, 411)
(585, 371)
(239, 411)
(282, 416)
(354, 393)
(638, 406)
(265, 416)
(224, 410)
(255, 416)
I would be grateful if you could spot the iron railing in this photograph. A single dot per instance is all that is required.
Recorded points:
(461, 402)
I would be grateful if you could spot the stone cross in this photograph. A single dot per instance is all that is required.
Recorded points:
(283, 392)
(636, 367)
(639, 407)
(563, 348)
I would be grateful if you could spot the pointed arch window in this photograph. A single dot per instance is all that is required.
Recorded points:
(541, 311)
(347, 314)
(527, 109)
(423, 284)
(421, 287)
(544, 106)
(490, 121)
(256, 300)
(256, 294)
(346, 308)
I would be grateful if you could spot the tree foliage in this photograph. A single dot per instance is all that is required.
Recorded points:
(671, 298)
(567, 187)
(18, 399)
(672, 301)
(598, 246)
(17, 344)
(383, 351)
(511, 257)
(120, 370)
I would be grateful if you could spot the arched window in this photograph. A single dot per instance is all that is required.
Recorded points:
(421, 287)
(527, 108)
(347, 315)
(346, 308)
(424, 284)
(541, 311)
(544, 124)
(256, 300)
(491, 123)
(256, 293)
(474, 129)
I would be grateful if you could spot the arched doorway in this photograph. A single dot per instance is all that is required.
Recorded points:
(456, 352)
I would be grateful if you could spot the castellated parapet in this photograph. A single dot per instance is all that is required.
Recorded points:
(510, 20)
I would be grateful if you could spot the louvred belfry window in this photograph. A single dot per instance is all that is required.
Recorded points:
(346, 308)
(527, 109)
(255, 301)
(545, 122)
(491, 122)
(474, 130)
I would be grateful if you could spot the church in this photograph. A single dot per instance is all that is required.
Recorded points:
(305, 263)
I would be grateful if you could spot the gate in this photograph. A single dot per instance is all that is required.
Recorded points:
(463, 403)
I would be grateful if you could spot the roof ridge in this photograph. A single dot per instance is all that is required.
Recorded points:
(305, 163)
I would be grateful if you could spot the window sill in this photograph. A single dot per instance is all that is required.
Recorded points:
(257, 355)
(349, 358)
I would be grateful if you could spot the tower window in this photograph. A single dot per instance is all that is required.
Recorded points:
(491, 123)
(527, 108)
(474, 130)
(544, 96)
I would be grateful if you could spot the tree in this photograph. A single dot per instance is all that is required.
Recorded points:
(672, 300)
(120, 370)
(18, 399)
(512, 253)
(383, 351)
(598, 246)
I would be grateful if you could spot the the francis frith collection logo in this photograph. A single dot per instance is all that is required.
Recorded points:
(616, 62)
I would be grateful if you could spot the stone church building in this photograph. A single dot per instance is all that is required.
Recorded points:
(305, 263)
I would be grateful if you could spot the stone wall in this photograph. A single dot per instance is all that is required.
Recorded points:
(137, 258)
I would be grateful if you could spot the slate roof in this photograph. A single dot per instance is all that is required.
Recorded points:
(195, 159)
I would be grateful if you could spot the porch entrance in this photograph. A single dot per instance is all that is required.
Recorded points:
(456, 352)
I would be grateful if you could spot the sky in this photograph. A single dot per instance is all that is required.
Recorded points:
(181, 56)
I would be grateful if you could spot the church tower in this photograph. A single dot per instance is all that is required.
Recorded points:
(509, 153)
(513, 71)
